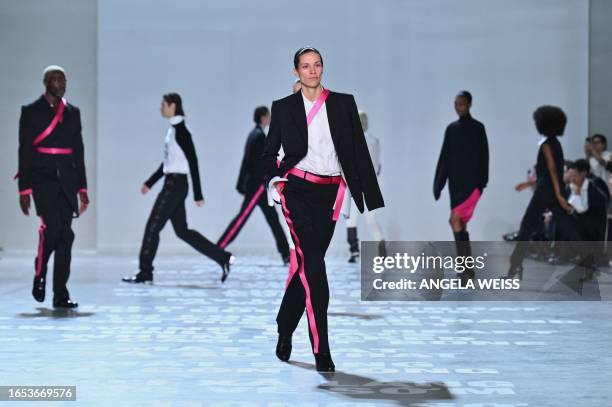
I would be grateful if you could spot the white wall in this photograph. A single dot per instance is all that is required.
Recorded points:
(34, 34)
(403, 60)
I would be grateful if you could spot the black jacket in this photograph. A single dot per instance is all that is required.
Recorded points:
(45, 173)
(183, 139)
(464, 160)
(288, 128)
(593, 221)
(251, 171)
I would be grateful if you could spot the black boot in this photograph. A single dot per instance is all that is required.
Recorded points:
(464, 249)
(65, 304)
(353, 242)
(283, 347)
(145, 277)
(324, 363)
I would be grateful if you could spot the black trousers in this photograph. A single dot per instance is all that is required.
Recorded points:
(308, 210)
(55, 236)
(252, 198)
(170, 204)
(532, 220)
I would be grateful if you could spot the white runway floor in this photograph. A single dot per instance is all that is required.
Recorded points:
(188, 340)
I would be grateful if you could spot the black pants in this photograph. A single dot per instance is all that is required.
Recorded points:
(251, 199)
(532, 220)
(308, 210)
(170, 204)
(55, 236)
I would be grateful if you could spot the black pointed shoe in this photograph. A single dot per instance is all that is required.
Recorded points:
(141, 277)
(324, 362)
(283, 347)
(226, 268)
(65, 304)
(38, 289)
(515, 272)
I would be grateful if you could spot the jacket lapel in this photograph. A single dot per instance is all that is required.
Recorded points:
(332, 118)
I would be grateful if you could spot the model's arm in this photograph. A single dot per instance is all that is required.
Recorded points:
(441, 169)
(25, 153)
(484, 160)
(271, 146)
(79, 154)
(184, 140)
(552, 170)
(155, 176)
(372, 195)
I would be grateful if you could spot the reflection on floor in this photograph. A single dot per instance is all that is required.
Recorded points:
(188, 340)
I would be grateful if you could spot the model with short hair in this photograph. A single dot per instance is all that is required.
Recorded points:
(52, 170)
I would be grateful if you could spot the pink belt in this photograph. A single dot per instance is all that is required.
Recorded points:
(54, 150)
(316, 179)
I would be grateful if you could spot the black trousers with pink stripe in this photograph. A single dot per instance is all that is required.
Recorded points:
(308, 208)
(55, 237)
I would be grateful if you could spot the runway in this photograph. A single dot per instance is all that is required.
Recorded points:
(188, 340)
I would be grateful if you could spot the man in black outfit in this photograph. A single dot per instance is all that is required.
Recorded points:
(464, 161)
(52, 170)
(325, 151)
(251, 184)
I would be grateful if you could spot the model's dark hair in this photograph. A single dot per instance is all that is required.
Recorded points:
(601, 138)
(260, 112)
(302, 51)
(550, 121)
(465, 94)
(581, 165)
(175, 98)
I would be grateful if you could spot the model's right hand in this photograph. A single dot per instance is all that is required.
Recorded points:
(566, 206)
(144, 189)
(24, 203)
(521, 186)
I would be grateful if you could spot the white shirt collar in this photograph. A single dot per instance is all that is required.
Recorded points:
(176, 119)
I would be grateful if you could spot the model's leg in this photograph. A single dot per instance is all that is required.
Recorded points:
(251, 199)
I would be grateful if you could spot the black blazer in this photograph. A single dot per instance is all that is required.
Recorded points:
(288, 128)
(593, 221)
(45, 173)
(251, 174)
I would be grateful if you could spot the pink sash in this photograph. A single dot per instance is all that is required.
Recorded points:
(317, 106)
(59, 115)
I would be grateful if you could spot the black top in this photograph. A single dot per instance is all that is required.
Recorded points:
(251, 174)
(594, 218)
(289, 129)
(183, 139)
(464, 160)
(544, 185)
(36, 169)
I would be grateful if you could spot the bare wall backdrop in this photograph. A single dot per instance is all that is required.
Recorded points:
(403, 60)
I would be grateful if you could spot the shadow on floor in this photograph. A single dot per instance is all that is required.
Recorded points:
(367, 389)
(55, 313)
(366, 317)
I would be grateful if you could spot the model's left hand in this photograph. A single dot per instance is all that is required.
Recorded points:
(84, 202)
(200, 203)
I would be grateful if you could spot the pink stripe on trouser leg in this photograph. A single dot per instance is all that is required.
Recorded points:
(302, 274)
(41, 243)
(242, 217)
